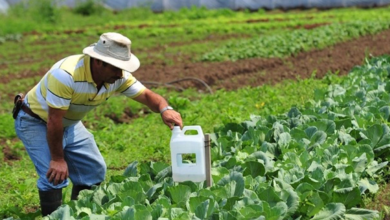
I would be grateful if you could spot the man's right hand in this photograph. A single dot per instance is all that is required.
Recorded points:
(58, 171)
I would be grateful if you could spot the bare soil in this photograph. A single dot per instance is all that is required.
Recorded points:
(9, 153)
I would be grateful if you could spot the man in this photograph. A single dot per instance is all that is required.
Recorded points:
(50, 124)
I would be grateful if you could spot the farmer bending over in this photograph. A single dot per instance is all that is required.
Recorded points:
(49, 123)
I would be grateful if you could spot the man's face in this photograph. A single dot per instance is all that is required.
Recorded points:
(111, 73)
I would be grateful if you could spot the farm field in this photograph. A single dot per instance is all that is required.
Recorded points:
(241, 76)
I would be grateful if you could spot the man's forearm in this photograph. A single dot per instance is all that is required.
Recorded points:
(156, 103)
(153, 100)
(55, 134)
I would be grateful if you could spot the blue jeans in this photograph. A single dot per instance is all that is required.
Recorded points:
(86, 165)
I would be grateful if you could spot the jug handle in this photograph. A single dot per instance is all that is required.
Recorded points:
(189, 128)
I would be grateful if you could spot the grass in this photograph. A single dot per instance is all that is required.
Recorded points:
(380, 201)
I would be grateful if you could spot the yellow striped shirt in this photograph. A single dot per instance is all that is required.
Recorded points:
(68, 85)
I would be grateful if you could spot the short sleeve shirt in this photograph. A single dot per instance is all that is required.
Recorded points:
(68, 85)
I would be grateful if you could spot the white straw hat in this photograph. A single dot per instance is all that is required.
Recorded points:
(114, 48)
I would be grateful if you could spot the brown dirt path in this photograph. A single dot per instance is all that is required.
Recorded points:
(340, 58)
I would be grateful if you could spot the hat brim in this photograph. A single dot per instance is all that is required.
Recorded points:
(131, 65)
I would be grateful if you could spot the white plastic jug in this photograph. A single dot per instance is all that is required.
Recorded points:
(182, 144)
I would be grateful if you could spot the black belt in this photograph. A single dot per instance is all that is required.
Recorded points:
(19, 104)
(26, 109)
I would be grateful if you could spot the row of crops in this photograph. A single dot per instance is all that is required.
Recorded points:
(316, 162)
(195, 21)
(304, 40)
(189, 24)
(265, 46)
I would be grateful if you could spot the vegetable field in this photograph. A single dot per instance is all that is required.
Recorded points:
(297, 104)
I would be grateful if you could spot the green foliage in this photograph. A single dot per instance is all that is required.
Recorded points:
(26, 16)
(179, 103)
(40, 11)
(196, 13)
(7, 126)
(291, 43)
(18, 177)
(44, 11)
(89, 7)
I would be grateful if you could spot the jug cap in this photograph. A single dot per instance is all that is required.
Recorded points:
(176, 129)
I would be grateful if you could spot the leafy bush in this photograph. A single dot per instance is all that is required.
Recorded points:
(89, 7)
(44, 11)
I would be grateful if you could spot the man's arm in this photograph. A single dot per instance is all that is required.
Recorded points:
(58, 169)
(156, 103)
